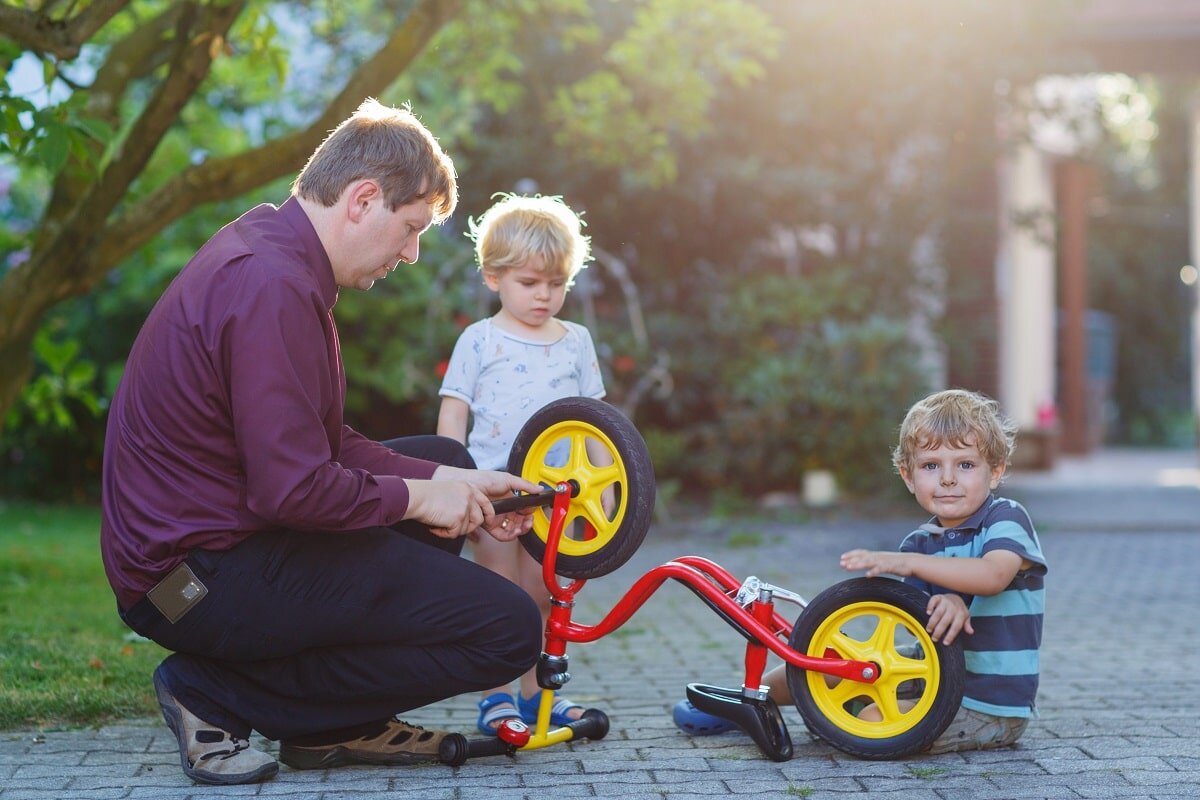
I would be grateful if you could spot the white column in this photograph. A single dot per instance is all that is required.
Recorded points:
(1025, 276)
(1194, 247)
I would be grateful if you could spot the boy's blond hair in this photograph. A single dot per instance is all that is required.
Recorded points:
(953, 417)
(517, 227)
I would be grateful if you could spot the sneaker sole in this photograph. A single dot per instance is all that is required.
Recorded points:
(175, 722)
(341, 757)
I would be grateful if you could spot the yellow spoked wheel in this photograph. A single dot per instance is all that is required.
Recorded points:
(594, 447)
(920, 681)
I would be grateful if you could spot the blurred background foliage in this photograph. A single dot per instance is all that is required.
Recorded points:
(775, 188)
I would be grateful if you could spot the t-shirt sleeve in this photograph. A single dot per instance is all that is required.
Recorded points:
(275, 346)
(1012, 530)
(462, 372)
(591, 381)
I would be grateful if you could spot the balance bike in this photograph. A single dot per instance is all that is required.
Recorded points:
(859, 643)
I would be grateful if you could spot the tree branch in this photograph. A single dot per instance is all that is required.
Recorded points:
(147, 46)
(230, 176)
(34, 30)
(65, 248)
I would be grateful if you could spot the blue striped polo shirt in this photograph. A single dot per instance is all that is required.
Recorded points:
(1002, 654)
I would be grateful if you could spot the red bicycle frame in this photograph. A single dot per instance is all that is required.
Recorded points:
(704, 577)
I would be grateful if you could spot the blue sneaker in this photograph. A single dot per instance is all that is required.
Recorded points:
(690, 719)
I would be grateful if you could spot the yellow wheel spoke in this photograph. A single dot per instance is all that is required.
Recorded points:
(882, 643)
(886, 701)
(579, 456)
(903, 669)
(846, 646)
(602, 477)
(550, 475)
(593, 512)
(842, 692)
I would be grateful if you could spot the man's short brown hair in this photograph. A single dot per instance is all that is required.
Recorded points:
(388, 145)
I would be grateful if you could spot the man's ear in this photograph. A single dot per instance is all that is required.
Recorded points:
(359, 197)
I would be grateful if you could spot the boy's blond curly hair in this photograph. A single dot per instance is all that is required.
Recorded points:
(953, 417)
(517, 227)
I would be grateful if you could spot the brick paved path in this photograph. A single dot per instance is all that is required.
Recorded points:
(1119, 700)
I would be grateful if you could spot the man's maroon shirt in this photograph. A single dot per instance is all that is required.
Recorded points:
(228, 419)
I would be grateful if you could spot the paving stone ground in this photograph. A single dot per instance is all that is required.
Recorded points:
(1120, 710)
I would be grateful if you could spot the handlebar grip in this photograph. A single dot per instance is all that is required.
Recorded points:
(519, 501)
(489, 747)
(592, 725)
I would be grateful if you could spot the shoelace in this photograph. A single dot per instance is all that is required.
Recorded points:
(238, 746)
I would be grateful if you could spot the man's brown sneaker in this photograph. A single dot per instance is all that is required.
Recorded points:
(207, 753)
(397, 743)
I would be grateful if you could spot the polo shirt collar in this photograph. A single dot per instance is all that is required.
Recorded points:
(973, 523)
(318, 260)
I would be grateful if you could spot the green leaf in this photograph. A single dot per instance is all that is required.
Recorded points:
(52, 149)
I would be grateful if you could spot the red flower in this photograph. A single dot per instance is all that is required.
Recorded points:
(623, 363)
(441, 367)
(462, 320)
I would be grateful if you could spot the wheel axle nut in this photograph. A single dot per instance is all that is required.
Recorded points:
(868, 673)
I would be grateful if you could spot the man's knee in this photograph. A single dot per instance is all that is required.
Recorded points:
(517, 632)
(452, 453)
(438, 449)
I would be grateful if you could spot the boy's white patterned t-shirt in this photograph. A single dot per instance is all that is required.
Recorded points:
(505, 380)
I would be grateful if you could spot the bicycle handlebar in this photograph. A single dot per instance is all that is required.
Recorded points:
(519, 501)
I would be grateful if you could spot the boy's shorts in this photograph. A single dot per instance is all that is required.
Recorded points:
(974, 730)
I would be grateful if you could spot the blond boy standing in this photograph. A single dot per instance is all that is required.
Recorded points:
(506, 367)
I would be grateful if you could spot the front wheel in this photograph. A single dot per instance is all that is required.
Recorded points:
(920, 684)
(595, 448)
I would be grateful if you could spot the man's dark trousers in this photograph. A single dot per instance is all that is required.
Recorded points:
(310, 636)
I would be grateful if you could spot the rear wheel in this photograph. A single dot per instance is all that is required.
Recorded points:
(595, 448)
(920, 682)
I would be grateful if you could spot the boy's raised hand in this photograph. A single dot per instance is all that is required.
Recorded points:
(876, 562)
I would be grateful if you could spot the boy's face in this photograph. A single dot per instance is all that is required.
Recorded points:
(529, 294)
(951, 482)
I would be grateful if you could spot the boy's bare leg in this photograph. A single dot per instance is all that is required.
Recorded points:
(501, 558)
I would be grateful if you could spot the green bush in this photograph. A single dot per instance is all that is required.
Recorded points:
(793, 374)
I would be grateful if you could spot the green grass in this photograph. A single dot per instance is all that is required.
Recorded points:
(927, 772)
(742, 539)
(65, 656)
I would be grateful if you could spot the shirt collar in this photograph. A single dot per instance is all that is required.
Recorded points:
(318, 260)
(974, 522)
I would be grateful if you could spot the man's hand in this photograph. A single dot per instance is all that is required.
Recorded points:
(456, 502)
(948, 615)
(877, 562)
(448, 508)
